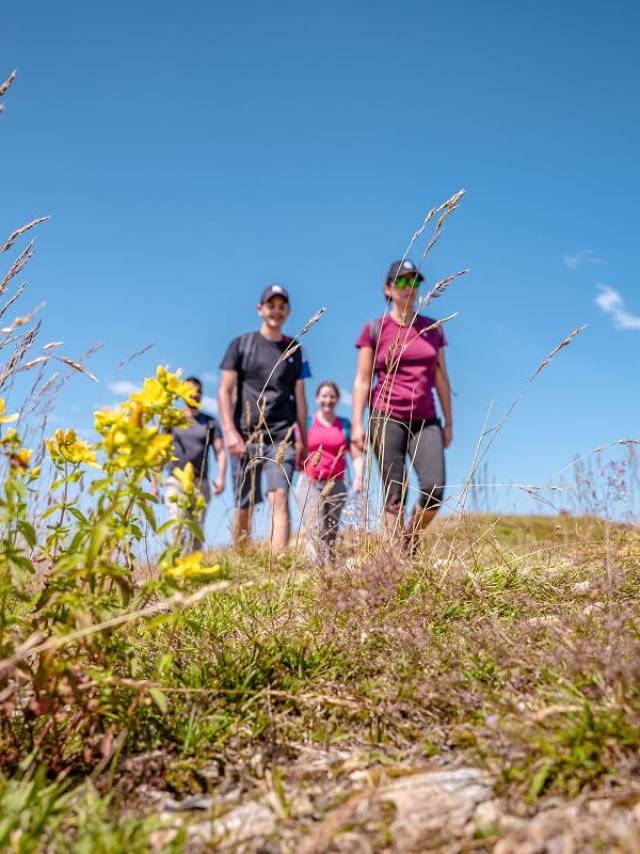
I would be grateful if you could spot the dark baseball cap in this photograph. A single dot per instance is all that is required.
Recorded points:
(403, 268)
(274, 291)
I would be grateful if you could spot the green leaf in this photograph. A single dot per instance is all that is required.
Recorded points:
(159, 699)
(540, 780)
(28, 532)
(149, 515)
(77, 514)
(98, 536)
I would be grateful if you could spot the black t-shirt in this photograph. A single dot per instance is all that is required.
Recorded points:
(254, 358)
(191, 443)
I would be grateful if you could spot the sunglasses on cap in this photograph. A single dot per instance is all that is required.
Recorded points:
(402, 282)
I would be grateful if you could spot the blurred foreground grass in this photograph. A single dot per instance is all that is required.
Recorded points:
(512, 641)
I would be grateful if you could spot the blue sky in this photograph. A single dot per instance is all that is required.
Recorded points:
(190, 154)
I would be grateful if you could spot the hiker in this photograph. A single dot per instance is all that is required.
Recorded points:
(321, 490)
(404, 352)
(261, 399)
(192, 444)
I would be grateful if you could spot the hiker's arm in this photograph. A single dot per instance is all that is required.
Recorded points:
(301, 421)
(221, 454)
(361, 389)
(357, 458)
(444, 396)
(233, 439)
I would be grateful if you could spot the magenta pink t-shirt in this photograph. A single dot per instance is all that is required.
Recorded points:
(333, 444)
(405, 366)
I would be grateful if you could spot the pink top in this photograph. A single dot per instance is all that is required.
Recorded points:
(405, 366)
(333, 444)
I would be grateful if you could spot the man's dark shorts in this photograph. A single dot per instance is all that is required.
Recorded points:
(275, 461)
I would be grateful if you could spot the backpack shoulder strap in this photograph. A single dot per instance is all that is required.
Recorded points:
(246, 350)
(346, 428)
(374, 331)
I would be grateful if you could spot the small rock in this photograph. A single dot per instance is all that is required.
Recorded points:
(487, 814)
(257, 764)
(546, 620)
(351, 843)
(301, 806)
(561, 844)
(245, 822)
(600, 807)
(591, 607)
(434, 802)
(359, 776)
(581, 588)
(195, 802)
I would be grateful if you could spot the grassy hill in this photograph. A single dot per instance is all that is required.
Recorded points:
(290, 696)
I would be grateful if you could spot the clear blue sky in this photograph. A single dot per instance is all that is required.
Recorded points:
(191, 153)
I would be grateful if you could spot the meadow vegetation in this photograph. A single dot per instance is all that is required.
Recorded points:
(512, 643)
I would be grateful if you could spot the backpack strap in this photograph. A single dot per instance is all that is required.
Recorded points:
(246, 350)
(346, 428)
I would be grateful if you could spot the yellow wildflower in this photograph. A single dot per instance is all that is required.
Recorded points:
(21, 458)
(34, 474)
(67, 447)
(159, 450)
(10, 438)
(190, 566)
(4, 419)
(185, 477)
(159, 392)
(153, 395)
(131, 434)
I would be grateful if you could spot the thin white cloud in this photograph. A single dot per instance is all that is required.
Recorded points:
(123, 387)
(211, 376)
(610, 301)
(345, 397)
(582, 256)
(210, 404)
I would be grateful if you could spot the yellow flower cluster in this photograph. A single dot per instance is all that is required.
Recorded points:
(10, 446)
(22, 458)
(129, 443)
(190, 497)
(186, 477)
(190, 566)
(129, 438)
(66, 447)
(4, 419)
(158, 395)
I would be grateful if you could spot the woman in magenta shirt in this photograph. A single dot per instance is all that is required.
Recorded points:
(322, 492)
(402, 353)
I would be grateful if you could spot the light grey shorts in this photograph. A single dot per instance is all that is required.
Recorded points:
(259, 461)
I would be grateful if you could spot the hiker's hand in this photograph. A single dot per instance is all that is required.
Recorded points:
(235, 443)
(357, 485)
(301, 454)
(218, 487)
(447, 435)
(358, 437)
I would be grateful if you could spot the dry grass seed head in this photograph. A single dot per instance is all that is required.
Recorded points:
(7, 83)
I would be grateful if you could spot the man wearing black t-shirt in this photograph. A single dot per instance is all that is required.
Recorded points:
(261, 400)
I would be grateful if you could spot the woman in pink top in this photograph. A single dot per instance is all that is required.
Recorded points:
(322, 492)
(404, 353)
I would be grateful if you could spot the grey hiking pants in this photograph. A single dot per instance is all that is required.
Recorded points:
(400, 444)
(320, 503)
